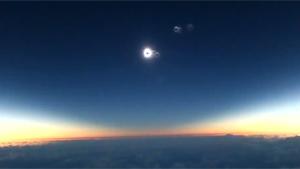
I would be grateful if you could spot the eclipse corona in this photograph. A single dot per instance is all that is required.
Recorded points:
(148, 53)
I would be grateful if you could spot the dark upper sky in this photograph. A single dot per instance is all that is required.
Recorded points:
(82, 61)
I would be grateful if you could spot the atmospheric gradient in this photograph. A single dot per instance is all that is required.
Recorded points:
(113, 69)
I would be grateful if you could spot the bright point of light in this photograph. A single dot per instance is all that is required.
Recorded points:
(148, 53)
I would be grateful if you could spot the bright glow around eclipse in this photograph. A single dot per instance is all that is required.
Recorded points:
(148, 53)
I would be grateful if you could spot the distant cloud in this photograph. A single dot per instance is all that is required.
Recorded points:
(158, 152)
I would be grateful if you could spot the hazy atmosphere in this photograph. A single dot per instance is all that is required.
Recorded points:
(91, 70)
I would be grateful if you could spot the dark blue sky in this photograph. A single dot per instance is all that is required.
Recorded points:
(82, 61)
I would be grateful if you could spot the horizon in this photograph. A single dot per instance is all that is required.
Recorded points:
(118, 69)
(44, 141)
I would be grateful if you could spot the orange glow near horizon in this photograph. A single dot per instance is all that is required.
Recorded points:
(18, 130)
(280, 120)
